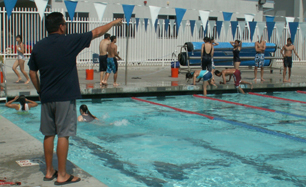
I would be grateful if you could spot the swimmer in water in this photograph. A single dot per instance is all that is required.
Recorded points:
(86, 116)
(24, 103)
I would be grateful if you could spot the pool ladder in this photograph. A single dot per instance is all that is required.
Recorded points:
(3, 87)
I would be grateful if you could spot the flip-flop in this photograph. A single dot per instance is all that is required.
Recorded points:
(68, 181)
(53, 177)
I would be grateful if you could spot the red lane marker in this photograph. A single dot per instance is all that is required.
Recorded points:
(224, 101)
(291, 100)
(299, 91)
(177, 109)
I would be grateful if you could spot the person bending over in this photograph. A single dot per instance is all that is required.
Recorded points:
(201, 74)
(86, 116)
(24, 103)
(237, 78)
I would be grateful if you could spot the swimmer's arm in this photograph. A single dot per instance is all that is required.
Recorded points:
(10, 105)
(116, 54)
(80, 118)
(202, 51)
(99, 31)
(212, 51)
(264, 46)
(194, 78)
(232, 43)
(296, 53)
(282, 51)
(31, 103)
(199, 80)
(215, 44)
(35, 80)
(229, 79)
(224, 79)
(21, 48)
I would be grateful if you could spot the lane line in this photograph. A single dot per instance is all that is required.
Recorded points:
(269, 96)
(234, 103)
(177, 109)
(259, 129)
(299, 91)
(249, 106)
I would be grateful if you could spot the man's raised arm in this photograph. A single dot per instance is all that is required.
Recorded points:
(99, 31)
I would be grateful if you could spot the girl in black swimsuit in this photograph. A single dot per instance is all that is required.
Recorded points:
(206, 57)
(236, 53)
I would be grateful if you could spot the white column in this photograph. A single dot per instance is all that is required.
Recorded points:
(298, 13)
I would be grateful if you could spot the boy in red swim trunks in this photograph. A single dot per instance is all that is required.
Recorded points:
(237, 78)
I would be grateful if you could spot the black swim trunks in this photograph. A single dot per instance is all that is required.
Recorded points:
(288, 62)
(103, 62)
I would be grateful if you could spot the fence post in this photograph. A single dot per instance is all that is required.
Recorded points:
(4, 37)
(126, 55)
(163, 30)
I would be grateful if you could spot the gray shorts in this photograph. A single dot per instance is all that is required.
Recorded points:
(59, 118)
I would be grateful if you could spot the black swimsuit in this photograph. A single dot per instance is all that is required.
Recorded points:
(206, 60)
(236, 53)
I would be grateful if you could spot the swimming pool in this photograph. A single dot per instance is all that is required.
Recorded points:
(136, 143)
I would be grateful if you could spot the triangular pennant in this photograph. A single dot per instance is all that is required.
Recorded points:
(155, 25)
(192, 24)
(9, 6)
(270, 18)
(270, 28)
(160, 23)
(248, 17)
(226, 27)
(128, 11)
(241, 28)
(288, 20)
(137, 23)
(41, 7)
(293, 28)
(303, 29)
(100, 8)
(146, 23)
(198, 24)
(234, 25)
(211, 25)
(204, 17)
(279, 30)
(180, 12)
(219, 27)
(171, 26)
(227, 16)
(71, 6)
(166, 25)
(184, 22)
(252, 26)
(260, 27)
(154, 10)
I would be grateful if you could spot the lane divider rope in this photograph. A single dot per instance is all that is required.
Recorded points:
(279, 98)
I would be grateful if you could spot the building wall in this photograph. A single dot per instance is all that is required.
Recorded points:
(240, 6)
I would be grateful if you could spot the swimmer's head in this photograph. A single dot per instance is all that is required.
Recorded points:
(55, 22)
(218, 73)
(106, 36)
(19, 38)
(22, 101)
(289, 41)
(83, 109)
(206, 39)
(189, 75)
(113, 39)
(237, 42)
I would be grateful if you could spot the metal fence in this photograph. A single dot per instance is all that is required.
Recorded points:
(146, 47)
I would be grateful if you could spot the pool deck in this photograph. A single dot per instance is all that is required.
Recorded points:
(16, 144)
(144, 81)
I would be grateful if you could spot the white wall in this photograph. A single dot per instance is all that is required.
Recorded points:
(240, 6)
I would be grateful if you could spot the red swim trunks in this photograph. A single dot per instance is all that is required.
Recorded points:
(237, 78)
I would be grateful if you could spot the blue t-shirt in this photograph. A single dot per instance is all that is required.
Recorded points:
(55, 58)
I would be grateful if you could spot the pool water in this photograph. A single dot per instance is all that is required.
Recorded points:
(136, 143)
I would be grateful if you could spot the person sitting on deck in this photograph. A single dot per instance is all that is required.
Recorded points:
(86, 116)
(25, 104)
(199, 74)
(237, 78)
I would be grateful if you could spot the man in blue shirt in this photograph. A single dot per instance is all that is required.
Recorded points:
(58, 87)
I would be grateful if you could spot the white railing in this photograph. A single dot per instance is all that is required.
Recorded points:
(146, 48)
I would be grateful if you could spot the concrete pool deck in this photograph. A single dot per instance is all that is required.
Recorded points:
(158, 81)
(16, 144)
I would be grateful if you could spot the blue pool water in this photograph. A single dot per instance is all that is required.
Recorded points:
(139, 144)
